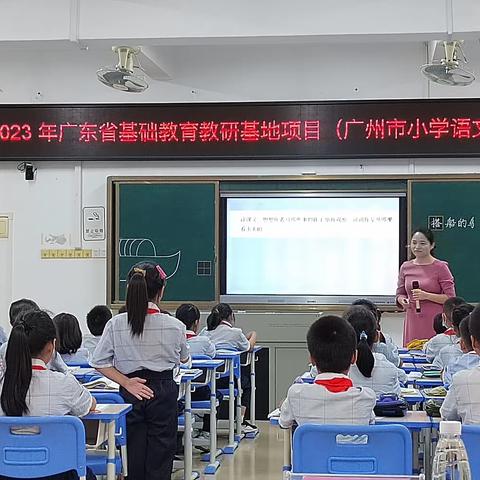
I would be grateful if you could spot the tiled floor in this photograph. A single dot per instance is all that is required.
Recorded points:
(256, 459)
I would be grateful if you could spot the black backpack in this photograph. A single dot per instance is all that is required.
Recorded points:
(390, 405)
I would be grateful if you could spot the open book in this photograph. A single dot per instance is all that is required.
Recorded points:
(102, 384)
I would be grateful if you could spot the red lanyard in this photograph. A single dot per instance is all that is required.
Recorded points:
(38, 367)
(449, 331)
(190, 335)
(335, 385)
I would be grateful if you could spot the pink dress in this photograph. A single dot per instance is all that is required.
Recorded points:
(433, 278)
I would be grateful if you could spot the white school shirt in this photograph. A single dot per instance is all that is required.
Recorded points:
(465, 362)
(389, 349)
(56, 363)
(311, 403)
(435, 344)
(447, 355)
(386, 377)
(55, 393)
(161, 346)
(80, 356)
(227, 336)
(90, 342)
(463, 398)
(200, 344)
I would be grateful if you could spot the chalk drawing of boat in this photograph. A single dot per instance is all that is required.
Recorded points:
(143, 249)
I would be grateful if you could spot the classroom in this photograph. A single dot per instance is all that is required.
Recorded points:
(239, 240)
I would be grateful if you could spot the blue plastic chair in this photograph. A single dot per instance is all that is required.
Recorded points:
(33, 447)
(98, 463)
(471, 439)
(352, 449)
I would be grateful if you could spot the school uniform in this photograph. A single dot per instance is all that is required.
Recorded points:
(385, 378)
(331, 399)
(447, 355)
(3, 336)
(152, 424)
(388, 348)
(230, 337)
(56, 363)
(227, 336)
(80, 356)
(90, 343)
(54, 393)
(467, 361)
(200, 344)
(463, 398)
(434, 345)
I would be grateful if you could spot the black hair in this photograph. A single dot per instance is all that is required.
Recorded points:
(459, 313)
(363, 302)
(144, 282)
(97, 318)
(188, 313)
(428, 234)
(474, 323)
(69, 335)
(221, 311)
(465, 334)
(332, 343)
(450, 304)
(28, 338)
(365, 325)
(438, 325)
(20, 307)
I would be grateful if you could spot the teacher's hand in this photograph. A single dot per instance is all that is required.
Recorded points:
(419, 294)
(403, 301)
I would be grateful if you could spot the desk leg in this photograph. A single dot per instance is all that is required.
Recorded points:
(111, 470)
(252, 398)
(213, 464)
(427, 456)
(232, 445)
(238, 412)
(287, 451)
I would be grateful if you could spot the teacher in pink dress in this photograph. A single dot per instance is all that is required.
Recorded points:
(424, 284)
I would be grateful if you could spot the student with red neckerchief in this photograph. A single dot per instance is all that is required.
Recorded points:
(139, 350)
(332, 398)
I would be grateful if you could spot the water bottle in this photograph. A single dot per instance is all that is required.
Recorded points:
(450, 461)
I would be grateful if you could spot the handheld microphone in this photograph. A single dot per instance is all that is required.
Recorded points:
(416, 285)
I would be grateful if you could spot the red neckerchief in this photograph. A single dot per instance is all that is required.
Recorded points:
(335, 385)
(449, 331)
(190, 335)
(153, 311)
(38, 367)
(228, 324)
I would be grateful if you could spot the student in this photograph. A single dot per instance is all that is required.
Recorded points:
(371, 369)
(189, 315)
(385, 343)
(332, 398)
(97, 318)
(28, 388)
(17, 310)
(469, 358)
(139, 350)
(69, 339)
(435, 344)
(438, 325)
(451, 352)
(463, 398)
(223, 334)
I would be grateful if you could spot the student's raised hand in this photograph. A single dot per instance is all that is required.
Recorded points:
(136, 386)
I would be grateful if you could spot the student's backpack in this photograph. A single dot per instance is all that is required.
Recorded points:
(390, 405)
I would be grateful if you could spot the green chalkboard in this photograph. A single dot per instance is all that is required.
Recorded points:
(452, 210)
(174, 225)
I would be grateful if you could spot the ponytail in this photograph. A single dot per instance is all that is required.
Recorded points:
(28, 338)
(145, 281)
(220, 312)
(18, 373)
(364, 323)
(365, 358)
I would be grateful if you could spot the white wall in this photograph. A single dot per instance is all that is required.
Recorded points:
(50, 69)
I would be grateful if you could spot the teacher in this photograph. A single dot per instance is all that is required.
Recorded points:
(423, 300)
